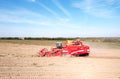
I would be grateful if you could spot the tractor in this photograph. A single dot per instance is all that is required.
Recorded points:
(72, 48)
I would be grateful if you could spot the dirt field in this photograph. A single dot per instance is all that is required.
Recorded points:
(20, 61)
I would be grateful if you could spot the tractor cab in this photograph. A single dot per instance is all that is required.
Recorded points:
(59, 45)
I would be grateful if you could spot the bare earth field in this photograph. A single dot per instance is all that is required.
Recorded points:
(19, 60)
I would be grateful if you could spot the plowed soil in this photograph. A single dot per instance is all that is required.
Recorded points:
(21, 61)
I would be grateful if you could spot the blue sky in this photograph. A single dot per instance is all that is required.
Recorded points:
(59, 18)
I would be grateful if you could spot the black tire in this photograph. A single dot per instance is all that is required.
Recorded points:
(87, 54)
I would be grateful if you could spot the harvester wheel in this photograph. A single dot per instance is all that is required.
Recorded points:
(87, 54)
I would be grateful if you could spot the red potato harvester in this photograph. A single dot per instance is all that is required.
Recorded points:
(73, 48)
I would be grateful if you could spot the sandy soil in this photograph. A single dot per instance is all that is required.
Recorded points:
(20, 61)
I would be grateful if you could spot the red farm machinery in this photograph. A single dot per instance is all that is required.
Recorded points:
(73, 48)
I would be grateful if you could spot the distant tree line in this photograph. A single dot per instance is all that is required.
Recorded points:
(33, 38)
(92, 39)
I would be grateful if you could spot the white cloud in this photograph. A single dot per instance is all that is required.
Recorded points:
(48, 9)
(59, 18)
(26, 17)
(99, 8)
(61, 8)
(23, 16)
(32, 0)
